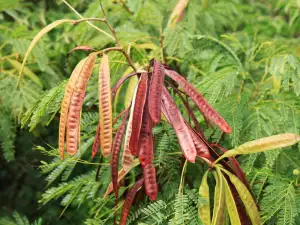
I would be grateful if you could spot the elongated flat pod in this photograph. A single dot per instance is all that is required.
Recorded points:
(96, 144)
(127, 158)
(129, 199)
(202, 149)
(115, 89)
(263, 144)
(145, 151)
(206, 109)
(76, 103)
(204, 209)
(65, 106)
(246, 197)
(182, 132)
(150, 181)
(219, 202)
(230, 203)
(105, 108)
(116, 147)
(140, 99)
(155, 89)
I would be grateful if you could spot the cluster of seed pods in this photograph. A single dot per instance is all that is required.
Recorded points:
(151, 99)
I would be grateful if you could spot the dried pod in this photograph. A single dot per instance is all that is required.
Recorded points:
(129, 199)
(157, 81)
(150, 181)
(65, 106)
(202, 149)
(206, 109)
(76, 102)
(105, 108)
(137, 113)
(173, 114)
(96, 144)
(145, 151)
(116, 147)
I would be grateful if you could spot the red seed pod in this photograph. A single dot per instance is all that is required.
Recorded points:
(145, 150)
(150, 181)
(206, 109)
(157, 81)
(116, 147)
(76, 103)
(129, 199)
(202, 149)
(177, 121)
(140, 99)
(96, 144)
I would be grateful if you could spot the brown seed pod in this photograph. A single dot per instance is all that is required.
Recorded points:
(65, 106)
(140, 99)
(105, 109)
(157, 81)
(76, 102)
(173, 114)
(150, 181)
(202, 149)
(96, 144)
(116, 147)
(206, 109)
(145, 151)
(129, 199)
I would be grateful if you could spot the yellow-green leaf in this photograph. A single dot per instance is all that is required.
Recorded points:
(204, 209)
(263, 144)
(230, 203)
(130, 91)
(219, 202)
(31, 75)
(44, 31)
(246, 197)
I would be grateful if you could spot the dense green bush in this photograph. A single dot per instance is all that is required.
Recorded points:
(242, 55)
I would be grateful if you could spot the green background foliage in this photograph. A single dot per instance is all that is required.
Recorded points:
(244, 57)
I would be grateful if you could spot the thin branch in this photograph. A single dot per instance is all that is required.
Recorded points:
(80, 16)
(118, 43)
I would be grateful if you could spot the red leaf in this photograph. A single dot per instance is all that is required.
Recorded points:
(173, 114)
(205, 108)
(156, 84)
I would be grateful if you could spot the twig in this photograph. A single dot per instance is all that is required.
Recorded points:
(118, 43)
(80, 16)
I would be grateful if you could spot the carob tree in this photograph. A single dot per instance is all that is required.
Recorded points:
(153, 98)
